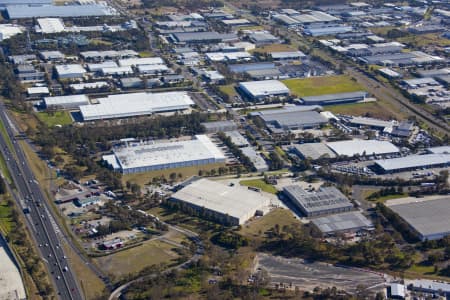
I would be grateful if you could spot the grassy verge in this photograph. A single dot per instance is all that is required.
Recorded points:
(373, 109)
(314, 86)
(274, 48)
(56, 118)
(259, 183)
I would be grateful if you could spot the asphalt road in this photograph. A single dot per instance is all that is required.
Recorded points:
(42, 226)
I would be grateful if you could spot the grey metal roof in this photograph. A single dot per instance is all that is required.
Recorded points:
(314, 150)
(413, 161)
(25, 2)
(440, 149)
(327, 198)
(352, 220)
(428, 217)
(201, 36)
(21, 12)
(335, 97)
(291, 119)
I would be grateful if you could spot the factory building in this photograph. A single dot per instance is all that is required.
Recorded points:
(204, 37)
(259, 90)
(325, 201)
(66, 102)
(135, 104)
(141, 61)
(428, 218)
(313, 151)
(348, 222)
(280, 120)
(5, 3)
(71, 71)
(363, 148)
(412, 162)
(64, 11)
(331, 99)
(257, 160)
(225, 204)
(199, 151)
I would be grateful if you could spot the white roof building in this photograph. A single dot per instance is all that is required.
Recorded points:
(100, 66)
(38, 90)
(231, 205)
(70, 71)
(135, 104)
(9, 30)
(116, 70)
(141, 61)
(78, 87)
(264, 88)
(165, 155)
(362, 147)
(152, 69)
(66, 102)
(50, 25)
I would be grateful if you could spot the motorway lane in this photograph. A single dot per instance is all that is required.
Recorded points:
(43, 227)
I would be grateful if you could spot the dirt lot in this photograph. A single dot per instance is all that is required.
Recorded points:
(307, 275)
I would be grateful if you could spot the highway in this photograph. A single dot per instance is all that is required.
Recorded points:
(40, 221)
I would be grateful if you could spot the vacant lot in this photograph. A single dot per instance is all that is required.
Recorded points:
(315, 86)
(259, 183)
(274, 48)
(137, 258)
(258, 227)
(308, 275)
(55, 118)
(372, 109)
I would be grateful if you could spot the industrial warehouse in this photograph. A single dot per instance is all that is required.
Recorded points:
(412, 162)
(348, 222)
(259, 90)
(363, 148)
(153, 156)
(325, 201)
(229, 205)
(135, 104)
(331, 99)
(428, 218)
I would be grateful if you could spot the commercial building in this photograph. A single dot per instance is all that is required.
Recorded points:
(64, 11)
(363, 148)
(53, 56)
(112, 244)
(71, 71)
(141, 61)
(86, 86)
(396, 291)
(153, 69)
(428, 218)
(199, 151)
(98, 67)
(430, 286)
(237, 138)
(229, 205)
(287, 55)
(368, 122)
(38, 91)
(327, 30)
(259, 90)
(257, 160)
(109, 54)
(331, 99)
(66, 102)
(281, 120)
(9, 30)
(116, 71)
(88, 201)
(412, 162)
(313, 151)
(135, 104)
(204, 37)
(325, 201)
(51, 25)
(348, 222)
(260, 38)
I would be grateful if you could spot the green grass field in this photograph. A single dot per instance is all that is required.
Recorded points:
(258, 227)
(259, 183)
(135, 259)
(56, 118)
(5, 217)
(229, 90)
(314, 86)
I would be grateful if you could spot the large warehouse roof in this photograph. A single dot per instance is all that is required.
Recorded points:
(314, 150)
(428, 217)
(439, 149)
(413, 161)
(166, 153)
(264, 88)
(295, 119)
(141, 61)
(235, 201)
(361, 147)
(325, 199)
(333, 98)
(71, 100)
(68, 11)
(352, 220)
(135, 104)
